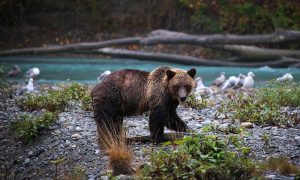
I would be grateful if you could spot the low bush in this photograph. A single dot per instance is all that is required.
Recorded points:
(280, 94)
(29, 127)
(57, 100)
(192, 102)
(201, 157)
(265, 107)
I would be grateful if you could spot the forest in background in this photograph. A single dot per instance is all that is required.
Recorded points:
(38, 22)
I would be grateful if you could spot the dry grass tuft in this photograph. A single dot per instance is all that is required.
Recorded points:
(114, 142)
(282, 165)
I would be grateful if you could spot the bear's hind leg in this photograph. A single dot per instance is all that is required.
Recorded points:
(109, 128)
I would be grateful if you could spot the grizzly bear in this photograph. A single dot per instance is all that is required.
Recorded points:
(131, 92)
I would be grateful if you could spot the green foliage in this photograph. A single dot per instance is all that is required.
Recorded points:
(192, 102)
(57, 100)
(3, 84)
(229, 129)
(29, 127)
(200, 157)
(79, 173)
(280, 94)
(243, 16)
(247, 109)
(265, 107)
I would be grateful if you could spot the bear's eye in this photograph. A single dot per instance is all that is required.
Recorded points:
(188, 88)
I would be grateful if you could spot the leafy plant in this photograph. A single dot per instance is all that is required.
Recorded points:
(192, 102)
(200, 157)
(29, 127)
(3, 83)
(57, 100)
(280, 94)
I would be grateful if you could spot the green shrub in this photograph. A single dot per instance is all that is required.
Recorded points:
(247, 109)
(3, 84)
(192, 102)
(280, 94)
(200, 157)
(57, 100)
(29, 127)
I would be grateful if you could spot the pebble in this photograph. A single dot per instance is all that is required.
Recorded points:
(76, 136)
(297, 139)
(27, 161)
(78, 128)
(247, 125)
(97, 151)
(30, 153)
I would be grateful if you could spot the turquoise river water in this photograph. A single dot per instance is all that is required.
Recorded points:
(57, 69)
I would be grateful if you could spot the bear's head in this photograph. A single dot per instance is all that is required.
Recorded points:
(180, 83)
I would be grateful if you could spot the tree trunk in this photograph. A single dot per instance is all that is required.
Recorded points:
(256, 53)
(72, 47)
(170, 37)
(188, 60)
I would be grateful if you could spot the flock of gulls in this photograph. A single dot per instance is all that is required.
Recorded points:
(29, 75)
(222, 85)
(219, 85)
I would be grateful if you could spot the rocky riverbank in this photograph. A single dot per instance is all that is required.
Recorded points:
(70, 143)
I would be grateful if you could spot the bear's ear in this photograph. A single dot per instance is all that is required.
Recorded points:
(192, 72)
(170, 74)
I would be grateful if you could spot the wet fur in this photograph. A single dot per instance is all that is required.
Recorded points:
(132, 92)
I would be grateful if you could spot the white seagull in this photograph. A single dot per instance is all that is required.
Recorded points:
(285, 78)
(14, 71)
(32, 73)
(201, 89)
(229, 83)
(240, 81)
(103, 75)
(219, 81)
(249, 81)
(29, 86)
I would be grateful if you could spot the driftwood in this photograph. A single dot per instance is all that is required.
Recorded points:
(253, 52)
(72, 47)
(188, 60)
(226, 42)
(170, 37)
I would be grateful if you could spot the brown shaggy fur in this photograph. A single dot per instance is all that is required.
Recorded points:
(132, 92)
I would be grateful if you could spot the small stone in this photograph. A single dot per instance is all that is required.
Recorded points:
(270, 176)
(30, 153)
(4, 141)
(267, 128)
(73, 146)
(97, 151)
(67, 142)
(104, 177)
(187, 118)
(222, 116)
(247, 125)
(223, 127)
(78, 129)
(27, 161)
(297, 139)
(125, 177)
(76, 136)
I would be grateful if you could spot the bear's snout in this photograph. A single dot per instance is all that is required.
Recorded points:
(182, 99)
(182, 94)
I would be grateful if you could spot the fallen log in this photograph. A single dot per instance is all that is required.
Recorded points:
(171, 37)
(72, 47)
(253, 52)
(188, 60)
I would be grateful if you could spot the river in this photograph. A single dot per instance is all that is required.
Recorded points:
(86, 70)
